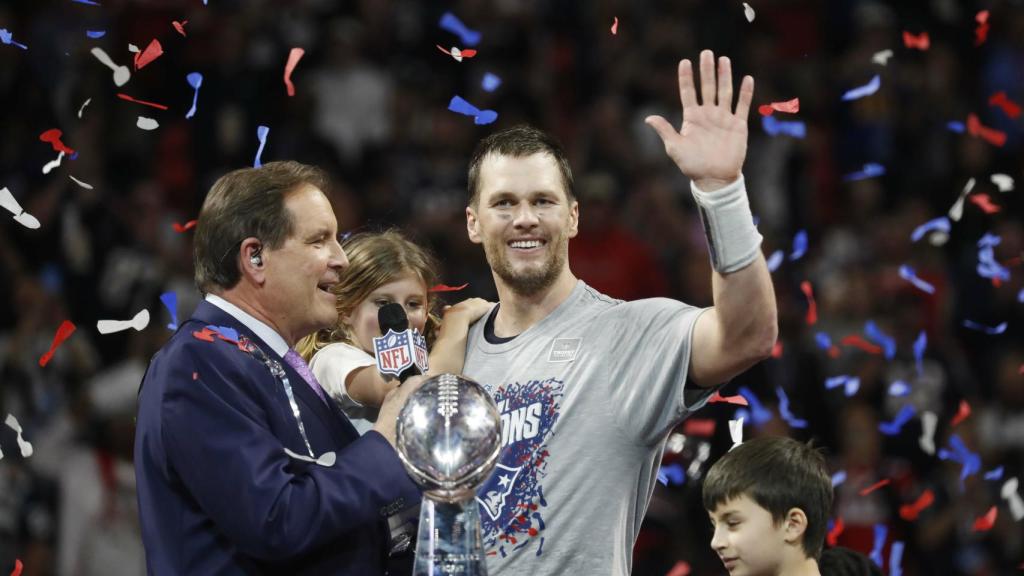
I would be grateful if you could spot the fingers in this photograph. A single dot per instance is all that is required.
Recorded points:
(687, 93)
(707, 78)
(746, 97)
(725, 83)
(662, 127)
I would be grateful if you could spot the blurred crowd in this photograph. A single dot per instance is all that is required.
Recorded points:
(370, 107)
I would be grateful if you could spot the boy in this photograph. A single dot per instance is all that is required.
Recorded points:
(769, 500)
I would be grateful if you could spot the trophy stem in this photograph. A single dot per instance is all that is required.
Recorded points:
(449, 539)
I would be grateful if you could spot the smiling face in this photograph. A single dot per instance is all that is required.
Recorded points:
(407, 290)
(524, 220)
(747, 539)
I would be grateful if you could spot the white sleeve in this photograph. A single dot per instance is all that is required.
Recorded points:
(331, 365)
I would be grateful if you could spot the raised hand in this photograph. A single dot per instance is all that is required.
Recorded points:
(712, 143)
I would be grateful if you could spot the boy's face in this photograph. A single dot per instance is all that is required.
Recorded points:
(746, 538)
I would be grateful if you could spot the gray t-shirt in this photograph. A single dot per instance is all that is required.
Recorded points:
(587, 398)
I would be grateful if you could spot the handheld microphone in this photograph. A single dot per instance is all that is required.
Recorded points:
(400, 352)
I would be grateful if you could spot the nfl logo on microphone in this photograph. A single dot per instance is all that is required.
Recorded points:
(397, 351)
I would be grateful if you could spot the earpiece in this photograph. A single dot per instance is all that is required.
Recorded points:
(256, 259)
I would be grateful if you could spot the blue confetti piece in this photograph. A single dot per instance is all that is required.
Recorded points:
(987, 265)
(225, 331)
(261, 133)
(990, 240)
(773, 127)
(849, 383)
(919, 347)
(837, 479)
(759, 415)
(893, 428)
(990, 330)
(784, 410)
(940, 224)
(799, 245)
(996, 474)
(970, 462)
(896, 558)
(7, 37)
(871, 170)
(451, 23)
(1020, 296)
(459, 105)
(881, 532)
(662, 477)
(73, 156)
(775, 260)
(957, 127)
(170, 300)
(485, 117)
(195, 80)
(888, 343)
(866, 90)
(95, 33)
(908, 274)
(491, 82)
(672, 474)
(823, 340)
(899, 389)
(89, 2)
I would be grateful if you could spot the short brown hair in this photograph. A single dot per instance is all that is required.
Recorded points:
(518, 142)
(246, 203)
(777, 473)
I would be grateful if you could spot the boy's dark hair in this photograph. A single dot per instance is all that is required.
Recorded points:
(778, 474)
(518, 142)
(845, 562)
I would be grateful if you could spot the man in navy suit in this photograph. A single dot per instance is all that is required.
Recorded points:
(244, 466)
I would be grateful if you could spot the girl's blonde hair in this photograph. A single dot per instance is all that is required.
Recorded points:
(375, 259)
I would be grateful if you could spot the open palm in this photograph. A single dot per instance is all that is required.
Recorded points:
(712, 143)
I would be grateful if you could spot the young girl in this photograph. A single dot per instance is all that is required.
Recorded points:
(383, 268)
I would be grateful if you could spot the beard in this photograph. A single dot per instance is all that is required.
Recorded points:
(531, 279)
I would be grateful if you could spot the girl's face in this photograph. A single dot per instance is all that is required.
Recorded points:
(406, 290)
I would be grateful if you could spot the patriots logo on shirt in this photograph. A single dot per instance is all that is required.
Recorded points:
(497, 490)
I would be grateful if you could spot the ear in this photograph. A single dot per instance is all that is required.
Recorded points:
(794, 526)
(472, 226)
(574, 219)
(249, 250)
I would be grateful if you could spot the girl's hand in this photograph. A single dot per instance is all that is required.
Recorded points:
(467, 311)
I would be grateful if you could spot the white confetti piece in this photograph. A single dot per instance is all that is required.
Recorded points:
(147, 123)
(1013, 499)
(927, 439)
(121, 73)
(957, 211)
(881, 58)
(1003, 181)
(84, 104)
(133, 48)
(8, 203)
(139, 322)
(736, 432)
(53, 163)
(748, 12)
(85, 185)
(327, 459)
(24, 445)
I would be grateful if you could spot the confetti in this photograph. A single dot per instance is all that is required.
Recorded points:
(738, 400)
(1009, 493)
(327, 459)
(990, 135)
(52, 137)
(294, 55)
(700, 427)
(887, 342)
(970, 462)
(49, 166)
(170, 301)
(788, 416)
(8, 202)
(7, 37)
(1009, 107)
(985, 203)
(152, 52)
(736, 432)
(681, 568)
(490, 82)
(790, 106)
(882, 57)
(909, 512)
(920, 345)
(908, 274)
(774, 127)
(88, 2)
(957, 210)
(990, 330)
(64, 331)
(838, 478)
(994, 474)
(857, 341)
(775, 260)
(881, 532)
(777, 349)
(849, 383)
(748, 12)
(183, 228)
(896, 558)
(981, 32)
(870, 170)
(180, 27)
(812, 306)
(94, 34)
(918, 41)
(875, 486)
(899, 389)
(866, 90)
(615, 26)
(206, 334)
(835, 529)
(24, 445)
(261, 135)
(927, 440)
(458, 54)
(84, 104)
(195, 80)
(799, 245)
(138, 322)
(988, 267)
(480, 117)
(80, 183)
(986, 522)
(759, 415)
(672, 474)
(939, 225)
(1003, 181)
(18, 566)
(143, 102)
(954, 126)
(451, 23)
(147, 123)
(893, 428)
(121, 73)
(447, 288)
(963, 411)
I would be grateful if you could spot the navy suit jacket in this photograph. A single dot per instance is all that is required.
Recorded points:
(217, 493)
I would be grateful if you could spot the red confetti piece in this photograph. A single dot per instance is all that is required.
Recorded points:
(188, 226)
(615, 26)
(293, 59)
(986, 522)
(919, 41)
(739, 400)
(17, 567)
(152, 52)
(833, 352)
(699, 427)
(65, 330)
(790, 106)
(1009, 107)
(812, 306)
(991, 135)
(984, 202)
(180, 27)
(857, 341)
(52, 137)
(195, 375)
(777, 349)
(206, 334)
(981, 32)
(682, 568)
(458, 54)
(909, 512)
(962, 413)
(875, 486)
(447, 288)
(833, 534)
(143, 102)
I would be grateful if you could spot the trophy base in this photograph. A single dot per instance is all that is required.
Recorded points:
(448, 542)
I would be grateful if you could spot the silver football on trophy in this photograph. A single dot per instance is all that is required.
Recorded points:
(449, 437)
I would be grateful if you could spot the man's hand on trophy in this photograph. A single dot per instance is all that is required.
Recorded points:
(393, 403)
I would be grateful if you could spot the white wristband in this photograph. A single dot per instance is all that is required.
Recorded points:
(733, 240)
